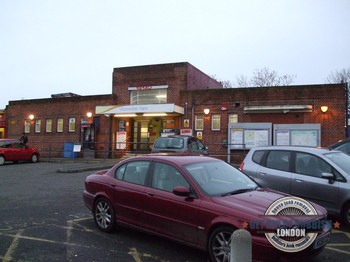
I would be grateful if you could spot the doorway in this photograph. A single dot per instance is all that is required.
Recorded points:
(145, 132)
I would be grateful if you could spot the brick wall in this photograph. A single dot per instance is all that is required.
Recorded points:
(332, 122)
(178, 76)
(18, 111)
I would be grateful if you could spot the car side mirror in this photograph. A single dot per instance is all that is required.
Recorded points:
(328, 176)
(182, 191)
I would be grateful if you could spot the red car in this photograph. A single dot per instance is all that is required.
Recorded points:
(14, 150)
(196, 200)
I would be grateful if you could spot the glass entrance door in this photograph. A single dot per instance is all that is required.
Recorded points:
(140, 135)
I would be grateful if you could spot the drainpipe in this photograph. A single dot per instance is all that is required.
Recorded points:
(347, 130)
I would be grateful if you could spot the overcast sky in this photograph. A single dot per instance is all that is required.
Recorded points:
(57, 46)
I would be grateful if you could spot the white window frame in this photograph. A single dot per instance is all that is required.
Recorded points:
(199, 122)
(233, 118)
(71, 126)
(215, 122)
(27, 126)
(48, 127)
(60, 125)
(37, 128)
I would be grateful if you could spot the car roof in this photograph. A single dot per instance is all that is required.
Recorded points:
(176, 136)
(8, 139)
(319, 150)
(177, 158)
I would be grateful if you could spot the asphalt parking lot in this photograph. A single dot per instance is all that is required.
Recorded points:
(43, 218)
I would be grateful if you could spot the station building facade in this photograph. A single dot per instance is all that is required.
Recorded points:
(177, 98)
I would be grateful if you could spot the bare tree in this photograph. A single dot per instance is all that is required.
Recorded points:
(265, 77)
(261, 77)
(339, 76)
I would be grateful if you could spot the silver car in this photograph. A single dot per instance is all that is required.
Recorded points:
(179, 144)
(317, 174)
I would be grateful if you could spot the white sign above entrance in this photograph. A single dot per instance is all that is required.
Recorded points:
(129, 109)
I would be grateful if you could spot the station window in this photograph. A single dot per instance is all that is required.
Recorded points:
(142, 97)
(48, 125)
(215, 122)
(232, 118)
(71, 124)
(60, 125)
(199, 122)
(27, 126)
(37, 128)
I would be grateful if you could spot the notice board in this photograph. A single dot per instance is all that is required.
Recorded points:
(297, 134)
(248, 135)
(120, 140)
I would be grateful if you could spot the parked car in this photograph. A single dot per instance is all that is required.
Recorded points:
(320, 175)
(179, 144)
(342, 145)
(14, 150)
(195, 200)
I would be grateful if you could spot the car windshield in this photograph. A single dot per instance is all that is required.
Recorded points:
(217, 178)
(169, 142)
(340, 159)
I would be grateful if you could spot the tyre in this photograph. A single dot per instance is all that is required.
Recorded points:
(219, 245)
(104, 215)
(34, 158)
(346, 215)
(2, 160)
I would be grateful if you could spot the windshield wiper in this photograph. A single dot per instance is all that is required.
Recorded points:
(239, 191)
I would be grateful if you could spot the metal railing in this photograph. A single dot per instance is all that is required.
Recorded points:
(108, 150)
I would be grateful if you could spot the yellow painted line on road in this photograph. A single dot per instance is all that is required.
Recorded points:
(338, 245)
(338, 250)
(13, 246)
(43, 240)
(135, 254)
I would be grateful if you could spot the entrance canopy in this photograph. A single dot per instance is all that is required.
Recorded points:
(140, 110)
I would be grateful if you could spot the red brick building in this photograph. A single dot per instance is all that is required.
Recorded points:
(154, 100)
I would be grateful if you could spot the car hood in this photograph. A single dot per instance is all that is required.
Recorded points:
(254, 203)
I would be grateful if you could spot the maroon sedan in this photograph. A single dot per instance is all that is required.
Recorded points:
(196, 200)
(14, 150)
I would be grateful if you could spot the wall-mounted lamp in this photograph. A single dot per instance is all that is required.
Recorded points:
(206, 111)
(89, 114)
(31, 117)
(324, 109)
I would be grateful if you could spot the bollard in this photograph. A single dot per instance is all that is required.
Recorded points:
(241, 246)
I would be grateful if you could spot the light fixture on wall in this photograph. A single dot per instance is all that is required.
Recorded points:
(89, 114)
(324, 109)
(31, 116)
(206, 111)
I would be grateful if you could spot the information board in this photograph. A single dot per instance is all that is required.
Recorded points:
(248, 135)
(121, 140)
(297, 134)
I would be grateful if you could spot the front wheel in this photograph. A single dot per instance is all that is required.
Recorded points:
(2, 160)
(34, 158)
(346, 215)
(219, 245)
(104, 215)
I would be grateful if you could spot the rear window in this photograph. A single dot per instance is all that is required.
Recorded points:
(169, 142)
(278, 159)
(258, 156)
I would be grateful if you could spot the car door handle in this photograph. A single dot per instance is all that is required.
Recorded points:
(150, 194)
(262, 174)
(112, 185)
(299, 180)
